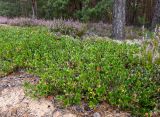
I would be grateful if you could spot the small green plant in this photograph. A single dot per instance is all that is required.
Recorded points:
(74, 71)
(151, 52)
(141, 20)
(151, 48)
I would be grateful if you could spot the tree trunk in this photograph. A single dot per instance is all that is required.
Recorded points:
(119, 19)
(156, 17)
(34, 9)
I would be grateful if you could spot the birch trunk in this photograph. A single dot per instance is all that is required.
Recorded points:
(34, 9)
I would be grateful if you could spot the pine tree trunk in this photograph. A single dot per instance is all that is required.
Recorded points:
(119, 19)
(156, 17)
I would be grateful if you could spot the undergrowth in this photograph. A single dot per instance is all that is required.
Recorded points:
(73, 71)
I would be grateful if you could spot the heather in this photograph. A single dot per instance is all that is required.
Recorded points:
(76, 29)
(90, 71)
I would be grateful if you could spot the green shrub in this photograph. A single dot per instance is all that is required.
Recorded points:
(102, 10)
(73, 71)
(8, 8)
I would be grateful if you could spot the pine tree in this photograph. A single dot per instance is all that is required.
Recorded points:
(156, 17)
(119, 19)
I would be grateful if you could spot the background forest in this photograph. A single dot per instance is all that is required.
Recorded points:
(138, 11)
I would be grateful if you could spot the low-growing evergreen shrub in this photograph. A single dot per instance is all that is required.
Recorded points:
(73, 71)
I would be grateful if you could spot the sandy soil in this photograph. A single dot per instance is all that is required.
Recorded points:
(14, 102)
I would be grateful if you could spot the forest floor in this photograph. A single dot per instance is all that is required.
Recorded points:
(14, 102)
